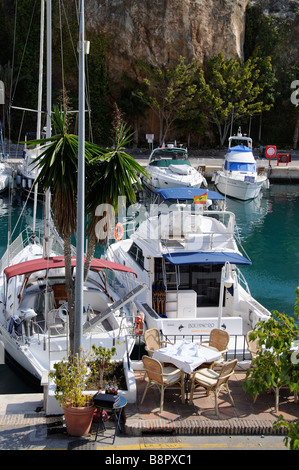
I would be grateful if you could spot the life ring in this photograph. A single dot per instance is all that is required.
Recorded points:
(118, 231)
(139, 328)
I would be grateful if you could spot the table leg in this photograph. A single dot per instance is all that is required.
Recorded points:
(101, 421)
(118, 426)
(187, 380)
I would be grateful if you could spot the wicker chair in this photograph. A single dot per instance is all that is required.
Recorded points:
(218, 341)
(252, 346)
(153, 341)
(213, 381)
(162, 377)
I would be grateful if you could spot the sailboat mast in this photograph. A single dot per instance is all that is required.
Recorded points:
(78, 331)
(48, 131)
(40, 94)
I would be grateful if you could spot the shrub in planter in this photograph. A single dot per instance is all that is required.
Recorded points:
(70, 376)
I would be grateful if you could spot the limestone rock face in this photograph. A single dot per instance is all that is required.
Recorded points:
(159, 31)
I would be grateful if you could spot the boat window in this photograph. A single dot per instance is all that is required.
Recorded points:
(137, 254)
(165, 163)
(239, 166)
(204, 279)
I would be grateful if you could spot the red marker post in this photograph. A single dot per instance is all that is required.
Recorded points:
(270, 152)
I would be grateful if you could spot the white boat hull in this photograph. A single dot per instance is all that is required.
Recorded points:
(160, 180)
(237, 188)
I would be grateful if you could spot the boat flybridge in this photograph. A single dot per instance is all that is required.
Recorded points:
(186, 253)
(239, 177)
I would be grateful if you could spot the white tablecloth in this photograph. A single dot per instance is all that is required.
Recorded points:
(186, 355)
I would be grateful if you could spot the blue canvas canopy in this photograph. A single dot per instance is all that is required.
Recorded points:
(184, 194)
(204, 257)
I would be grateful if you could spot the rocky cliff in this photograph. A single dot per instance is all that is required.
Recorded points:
(159, 31)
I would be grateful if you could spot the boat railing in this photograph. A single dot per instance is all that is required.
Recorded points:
(221, 231)
(241, 280)
(14, 248)
(237, 348)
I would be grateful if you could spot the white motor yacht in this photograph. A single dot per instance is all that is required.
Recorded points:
(187, 255)
(169, 166)
(239, 177)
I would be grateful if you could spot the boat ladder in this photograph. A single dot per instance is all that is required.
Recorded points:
(171, 279)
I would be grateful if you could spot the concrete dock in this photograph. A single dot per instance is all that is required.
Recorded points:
(24, 425)
(210, 161)
(277, 172)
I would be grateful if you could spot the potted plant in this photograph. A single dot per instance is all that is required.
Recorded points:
(70, 377)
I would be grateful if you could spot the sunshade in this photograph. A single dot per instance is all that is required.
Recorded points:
(40, 264)
(205, 257)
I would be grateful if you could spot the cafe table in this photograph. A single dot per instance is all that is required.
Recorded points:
(186, 356)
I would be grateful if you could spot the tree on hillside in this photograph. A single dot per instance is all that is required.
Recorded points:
(130, 103)
(170, 92)
(236, 90)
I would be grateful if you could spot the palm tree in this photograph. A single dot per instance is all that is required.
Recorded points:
(109, 173)
(112, 173)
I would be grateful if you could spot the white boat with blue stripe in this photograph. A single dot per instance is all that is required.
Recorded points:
(239, 177)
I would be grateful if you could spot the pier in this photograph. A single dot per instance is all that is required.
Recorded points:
(277, 171)
(210, 161)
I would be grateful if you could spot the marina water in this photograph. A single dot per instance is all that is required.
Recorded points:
(268, 229)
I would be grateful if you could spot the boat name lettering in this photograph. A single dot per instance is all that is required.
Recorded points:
(201, 325)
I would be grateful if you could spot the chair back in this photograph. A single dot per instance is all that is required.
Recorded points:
(252, 345)
(226, 371)
(219, 339)
(153, 369)
(152, 339)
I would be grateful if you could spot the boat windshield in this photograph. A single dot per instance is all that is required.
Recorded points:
(239, 166)
(169, 153)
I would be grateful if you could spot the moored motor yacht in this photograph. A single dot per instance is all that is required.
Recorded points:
(239, 177)
(188, 257)
(169, 166)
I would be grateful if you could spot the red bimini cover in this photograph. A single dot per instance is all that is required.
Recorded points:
(41, 264)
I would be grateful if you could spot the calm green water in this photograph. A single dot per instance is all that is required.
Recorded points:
(269, 230)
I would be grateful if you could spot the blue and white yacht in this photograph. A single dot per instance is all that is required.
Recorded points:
(239, 177)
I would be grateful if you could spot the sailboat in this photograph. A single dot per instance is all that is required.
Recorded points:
(34, 316)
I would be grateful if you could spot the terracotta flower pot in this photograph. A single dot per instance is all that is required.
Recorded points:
(78, 420)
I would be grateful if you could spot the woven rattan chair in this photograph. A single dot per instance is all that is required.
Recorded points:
(218, 341)
(162, 377)
(252, 346)
(213, 381)
(153, 341)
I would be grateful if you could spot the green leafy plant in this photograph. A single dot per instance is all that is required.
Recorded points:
(273, 367)
(292, 439)
(70, 377)
(103, 357)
